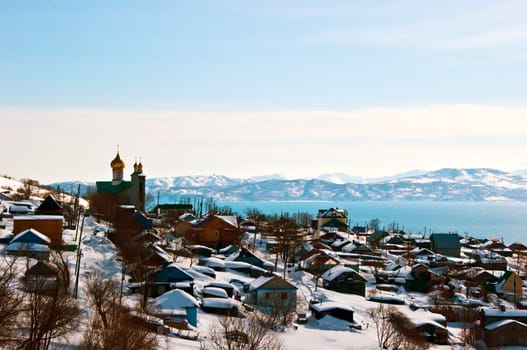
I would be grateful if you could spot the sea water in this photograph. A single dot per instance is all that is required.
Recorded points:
(506, 221)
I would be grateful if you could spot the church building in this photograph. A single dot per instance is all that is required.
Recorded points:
(127, 192)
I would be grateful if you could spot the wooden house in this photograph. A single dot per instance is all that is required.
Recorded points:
(41, 277)
(446, 244)
(49, 207)
(339, 311)
(317, 264)
(272, 290)
(49, 225)
(244, 255)
(344, 279)
(505, 333)
(215, 231)
(172, 210)
(509, 286)
(334, 218)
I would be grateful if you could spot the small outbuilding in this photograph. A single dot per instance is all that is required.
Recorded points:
(175, 306)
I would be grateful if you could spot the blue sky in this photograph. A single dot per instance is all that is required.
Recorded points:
(264, 86)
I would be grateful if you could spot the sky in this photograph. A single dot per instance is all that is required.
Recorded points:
(244, 88)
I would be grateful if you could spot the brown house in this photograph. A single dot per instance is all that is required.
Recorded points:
(215, 231)
(505, 333)
(320, 263)
(49, 225)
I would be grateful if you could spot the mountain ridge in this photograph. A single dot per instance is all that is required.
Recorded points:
(446, 184)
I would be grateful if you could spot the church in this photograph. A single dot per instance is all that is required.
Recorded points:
(127, 192)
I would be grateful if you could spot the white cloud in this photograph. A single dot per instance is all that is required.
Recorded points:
(437, 26)
(53, 144)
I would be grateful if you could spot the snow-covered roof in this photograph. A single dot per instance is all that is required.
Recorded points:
(336, 271)
(488, 312)
(230, 219)
(31, 236)
(216, 291)
(274, 282)
(329, 305)
(213, 262)
(162, 253)
(175, 299)
(219, 303)
(420, 317)
(499, 324)
(38, 217)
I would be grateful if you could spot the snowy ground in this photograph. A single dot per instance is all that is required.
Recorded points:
(99, 254)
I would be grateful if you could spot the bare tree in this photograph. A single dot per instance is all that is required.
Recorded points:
(27, 187)
(10, 301)
(48, 314)
(279, 312)
(394, 330)
(113, 326)
(248, 333)
(383, 325)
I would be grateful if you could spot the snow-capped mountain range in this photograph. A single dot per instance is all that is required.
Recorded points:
(441, 185)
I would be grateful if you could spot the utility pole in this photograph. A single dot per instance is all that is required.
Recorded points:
(78, 263)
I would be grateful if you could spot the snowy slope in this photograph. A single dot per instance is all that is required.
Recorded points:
(441, 185)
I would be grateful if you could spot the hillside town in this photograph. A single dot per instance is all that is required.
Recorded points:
(104, 273)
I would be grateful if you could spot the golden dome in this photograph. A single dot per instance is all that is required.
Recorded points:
(117, 162)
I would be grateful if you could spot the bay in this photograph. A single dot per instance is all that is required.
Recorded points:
(506, 221)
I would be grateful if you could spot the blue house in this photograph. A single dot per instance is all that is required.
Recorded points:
(167, 278)
(175, 305)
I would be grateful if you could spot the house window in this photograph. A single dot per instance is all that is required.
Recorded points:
(216, 233)
(267, 296)
(283, 295)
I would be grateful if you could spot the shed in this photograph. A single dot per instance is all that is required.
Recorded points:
(339, 311)
(48, 225)
(174, 305)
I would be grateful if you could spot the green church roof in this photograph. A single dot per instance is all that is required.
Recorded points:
(107, 187)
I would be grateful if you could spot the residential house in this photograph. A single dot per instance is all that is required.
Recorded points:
(319, 263)
(245, 255)
(215, 231)
(43, 276)
(172, 210)
(432, 326)
(358, 248)
(270, 292)
(49, 207)
(505, 333)
(509, 286)
(423, 277)
(334, 218)
(169, 277)
(488, 315)
(339, 311)
(446, 244)
(344, 279)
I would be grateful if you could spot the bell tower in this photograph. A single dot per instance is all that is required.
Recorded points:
(117, 165)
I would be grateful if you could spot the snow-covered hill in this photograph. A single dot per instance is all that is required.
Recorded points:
(441, 185)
